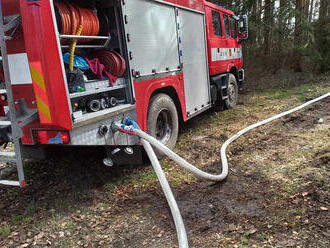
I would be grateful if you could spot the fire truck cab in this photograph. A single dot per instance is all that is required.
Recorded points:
(71, 68)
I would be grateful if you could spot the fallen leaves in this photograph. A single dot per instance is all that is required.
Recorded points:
(93, 218)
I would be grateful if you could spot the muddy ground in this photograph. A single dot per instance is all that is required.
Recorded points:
(277, 193)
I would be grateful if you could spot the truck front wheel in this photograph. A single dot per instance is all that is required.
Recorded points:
(163, 122)
(231, 101)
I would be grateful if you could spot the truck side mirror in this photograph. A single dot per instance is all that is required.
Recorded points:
(243, 27)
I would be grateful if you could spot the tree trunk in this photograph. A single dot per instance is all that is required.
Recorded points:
(282, 23)
(299, 32)
(323, 35)
(258, 22)
(268, 22)
(311, 11)
(253, 35)
(297, 27)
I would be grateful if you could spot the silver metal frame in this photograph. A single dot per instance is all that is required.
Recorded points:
(158, 72)
(201, 106)
(66, 36)
(86, 132)
(13, 22)
(157, 75)
(124, 41)
(207, 68)
(130, 93)
(60, 47)
(178, 6)
(16, 130)
(96, 91)
(60, 52)
(137, 44)
(107, 38)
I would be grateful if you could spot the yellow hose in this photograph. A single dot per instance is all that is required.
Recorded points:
(73, 48)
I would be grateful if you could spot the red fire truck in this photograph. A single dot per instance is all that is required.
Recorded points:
(71, 68)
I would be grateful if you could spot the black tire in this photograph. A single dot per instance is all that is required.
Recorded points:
(163, 121)
(231, 101)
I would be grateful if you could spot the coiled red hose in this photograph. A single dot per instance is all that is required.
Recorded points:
(114, 63)
(72, 17)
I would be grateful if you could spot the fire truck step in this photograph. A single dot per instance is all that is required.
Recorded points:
(8, 157)
(5, 123)
(10, 183)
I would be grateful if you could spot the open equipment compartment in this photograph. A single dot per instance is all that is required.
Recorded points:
(98, 81)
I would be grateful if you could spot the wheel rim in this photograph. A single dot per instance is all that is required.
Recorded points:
(164, 126)
(231, 93)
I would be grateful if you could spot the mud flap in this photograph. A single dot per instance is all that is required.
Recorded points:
(221, 82)
(224, 87)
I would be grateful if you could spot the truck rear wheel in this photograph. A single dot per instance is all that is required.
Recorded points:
(231, 101)
(163, 122)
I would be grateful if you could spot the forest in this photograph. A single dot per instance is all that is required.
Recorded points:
(286, 34)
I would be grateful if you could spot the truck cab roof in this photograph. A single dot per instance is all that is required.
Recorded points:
(217, 7)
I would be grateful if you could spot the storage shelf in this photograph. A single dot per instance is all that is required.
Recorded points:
(65, 36)
(85, 46)
(96, 91)
(89, 118)
(81, 37)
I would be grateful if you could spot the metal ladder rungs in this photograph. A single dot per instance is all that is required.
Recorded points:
(5, 123)
(10, 183)
(7, 37)
(8, 157)
(11, 24)
(8, 154)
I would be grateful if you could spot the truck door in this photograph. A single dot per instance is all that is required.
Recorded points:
(217, 41)
(233, 48)
(236, 49)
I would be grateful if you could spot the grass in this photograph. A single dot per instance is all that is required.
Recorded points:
(278, 163)
(5, 231)
(145, 179)
(301, 98)
(279, 94)
(244, 240)
(261, 236)
(302, 93)
(20, 219)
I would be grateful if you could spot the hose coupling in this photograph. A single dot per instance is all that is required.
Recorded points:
(116, 126)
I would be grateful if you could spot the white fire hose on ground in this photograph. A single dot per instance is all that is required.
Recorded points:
(132, 128)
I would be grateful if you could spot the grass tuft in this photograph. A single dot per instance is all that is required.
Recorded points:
(5, 231)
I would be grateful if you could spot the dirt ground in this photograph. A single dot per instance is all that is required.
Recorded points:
(277, 193)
